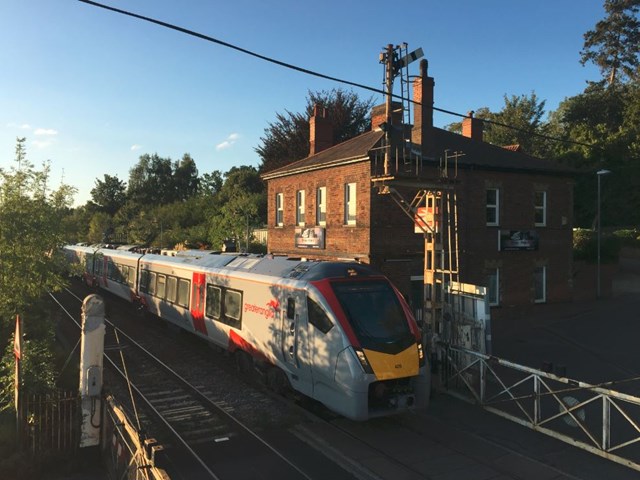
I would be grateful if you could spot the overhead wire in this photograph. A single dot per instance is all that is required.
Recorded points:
(311, 72)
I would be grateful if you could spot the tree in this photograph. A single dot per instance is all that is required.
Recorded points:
(287, 138)
(151, 181)
(522, 112)
(30, 234)
(109, 194)
(614, 44)
(185, 176)
(241, 206)
(211, 183)
(31, 264)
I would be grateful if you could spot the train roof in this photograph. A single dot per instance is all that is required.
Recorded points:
(250, 264)
(268, 265)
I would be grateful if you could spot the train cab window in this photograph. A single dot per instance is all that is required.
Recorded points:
(232, 307)
(172, 289)
(161, 284)
(144, 281)
(183, 292)
(213, 301)
(291, 308)
(152, 283)
(110, 268)
(318, 317)
(131, 277)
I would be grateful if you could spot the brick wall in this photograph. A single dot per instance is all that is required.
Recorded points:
(384, 236)
(341, 241)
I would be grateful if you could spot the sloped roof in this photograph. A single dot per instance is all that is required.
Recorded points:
(477, 154)
(355, 149)
(492, 157)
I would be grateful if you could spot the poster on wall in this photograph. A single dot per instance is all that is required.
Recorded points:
(312, 237)
(518, 240)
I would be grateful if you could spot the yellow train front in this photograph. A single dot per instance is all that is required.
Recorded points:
(375, 357)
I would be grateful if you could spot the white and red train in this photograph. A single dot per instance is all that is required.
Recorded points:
(336, 332)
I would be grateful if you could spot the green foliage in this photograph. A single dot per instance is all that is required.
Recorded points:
(585, 246)
(614, 44)
(522, 112)
(628, 237)
(109, 194)
(31, 232)
(287, 138)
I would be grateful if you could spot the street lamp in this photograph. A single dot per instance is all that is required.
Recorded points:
(599, 173)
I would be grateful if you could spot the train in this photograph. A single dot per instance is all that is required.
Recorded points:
(337, 332)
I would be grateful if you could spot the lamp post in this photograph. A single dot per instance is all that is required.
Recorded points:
(599, 173)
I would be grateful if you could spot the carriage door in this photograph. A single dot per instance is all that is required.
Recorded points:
(295, 345)
(197, 302)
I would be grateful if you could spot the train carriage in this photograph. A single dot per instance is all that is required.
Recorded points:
(337, 332)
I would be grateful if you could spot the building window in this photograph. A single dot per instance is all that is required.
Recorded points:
(279, 209)
(300, 208)
(350, 204)
(540, 209)
(321, 206)
(493, 287)
(493, 207)
(540, 284)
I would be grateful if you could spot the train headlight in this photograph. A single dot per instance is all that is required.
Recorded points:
(364, 363)
(421, 360)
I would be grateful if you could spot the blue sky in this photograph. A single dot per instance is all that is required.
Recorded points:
(93, 90)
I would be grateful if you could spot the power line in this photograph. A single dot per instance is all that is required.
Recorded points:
(311, 72)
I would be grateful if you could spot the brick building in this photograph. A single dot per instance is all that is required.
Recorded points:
(514, 211)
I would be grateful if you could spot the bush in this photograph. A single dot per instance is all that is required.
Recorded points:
(628, 237)
(585, 246)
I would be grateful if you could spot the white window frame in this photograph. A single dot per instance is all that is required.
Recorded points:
(300, 207)
(540, 297)
(349, 203)
(321, 206)
(279, 209)
(495, 207)
(540, 208)
(493, 278)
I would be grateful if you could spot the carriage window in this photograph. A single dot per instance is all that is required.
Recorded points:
(172, 287)
(213, 301)
(291, 308)
(161, 286)
(132, 276)
(152, 283)
(144, 281)
(318, 317)
(123, 274)
(183, 292)
(232, 305)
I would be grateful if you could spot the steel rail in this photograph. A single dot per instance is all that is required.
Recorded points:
(201, 396)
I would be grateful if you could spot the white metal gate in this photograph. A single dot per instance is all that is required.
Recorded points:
(602, 421)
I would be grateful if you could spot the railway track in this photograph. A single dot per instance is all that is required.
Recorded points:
(192, 418)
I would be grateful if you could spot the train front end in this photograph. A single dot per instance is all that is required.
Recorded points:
(383, 370)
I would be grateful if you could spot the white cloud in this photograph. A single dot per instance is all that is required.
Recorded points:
(135, 147)
(23, 126)
(229, 142)
(45, 131)
(42, 143)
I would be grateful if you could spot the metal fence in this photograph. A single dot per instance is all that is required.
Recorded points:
(596, 419)
(50, 423)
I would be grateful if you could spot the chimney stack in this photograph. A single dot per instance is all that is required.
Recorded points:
(379, 115)
(472, 127)
(320, 130)
(422, 132)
